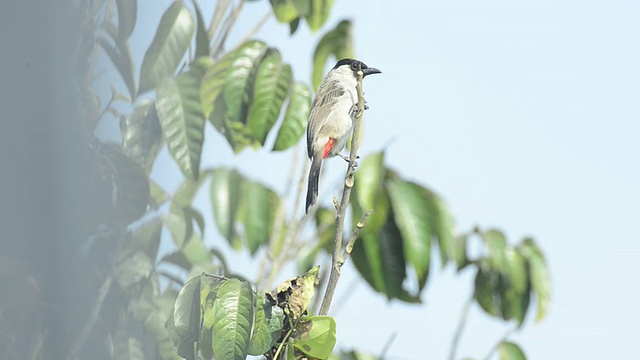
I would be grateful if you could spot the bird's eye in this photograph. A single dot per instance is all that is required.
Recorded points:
(354, 66)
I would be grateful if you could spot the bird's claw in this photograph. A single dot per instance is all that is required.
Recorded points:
(346, 158)
(356, 111)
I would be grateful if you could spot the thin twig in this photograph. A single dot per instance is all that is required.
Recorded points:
(354, 236)
(278, 228)
(257, 27)
(227, 26)
(504, 337)
(281, 346)
(461, 324)
(293, 226)
(345, 296)
(93, 318)
(218, 13)
(387, 345)
(336, 260)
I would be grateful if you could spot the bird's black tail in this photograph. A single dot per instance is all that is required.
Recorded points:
(314, 176)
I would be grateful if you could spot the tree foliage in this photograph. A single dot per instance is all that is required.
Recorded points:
(143, 307)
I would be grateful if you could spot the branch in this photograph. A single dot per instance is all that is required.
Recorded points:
(229, 21)
(218, 13)
(354, 236)
(461, 323)
(387, 345)
(93, 318)
(337, 260)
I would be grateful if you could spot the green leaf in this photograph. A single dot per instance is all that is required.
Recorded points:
(296, 116)
(202, 37)
(370, 177)
(503, 292)
(379, 258)
(272, 83)
(126, 347)
(236, 133)
(284, 10)
(179, 259)
(369, 192)
(317, 336)
(515, 288)
(460, 251)
(121, 57)
(353, 355)
(208, 295)
(233, 310)
(238, 84)
(486, 290)
(199, 67)
(225, 195)
(142, 135)
(196, 252)
(168, 46)
(127, 14)
(196, 216)
(337, 42)
(158, 195)
(156, 311)
(182, 121)
(413, 216)
(496, 247)
(293, 25)
(135, 268)
(183, 196)
(130, 188)
(146, 238)
(180, 226)
(258, 212)
(538, 274)
(213, 83)
(510, 351)
(442, 223)
(267, 326)
(319, 13)
(184, 324)
(303, 7)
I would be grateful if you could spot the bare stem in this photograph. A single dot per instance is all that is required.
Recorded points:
(387, 345)
(504, 337)
(225, 29)
(354, 235)
(292, 227)
(218, 13)
(93, 318)
(337, 260)
(461, 323)
(257, 27)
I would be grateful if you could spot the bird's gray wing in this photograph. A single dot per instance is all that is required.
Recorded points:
(326, 99)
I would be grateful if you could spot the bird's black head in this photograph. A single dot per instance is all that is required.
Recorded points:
(356, 65)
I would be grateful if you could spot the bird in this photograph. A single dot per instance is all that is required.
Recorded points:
(331, 117)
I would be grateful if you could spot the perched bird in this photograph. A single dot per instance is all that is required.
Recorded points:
(331, 118)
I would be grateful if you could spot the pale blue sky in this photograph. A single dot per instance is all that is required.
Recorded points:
(521, 114)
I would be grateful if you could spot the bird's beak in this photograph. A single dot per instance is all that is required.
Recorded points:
(369, 71)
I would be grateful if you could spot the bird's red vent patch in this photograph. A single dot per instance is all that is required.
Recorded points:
(327, 147)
